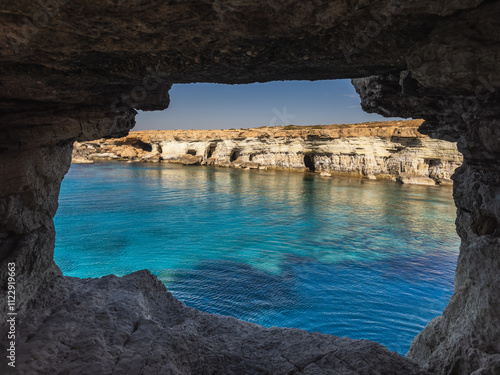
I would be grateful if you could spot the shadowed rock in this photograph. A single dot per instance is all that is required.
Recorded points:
(132, 325)
(79, 70)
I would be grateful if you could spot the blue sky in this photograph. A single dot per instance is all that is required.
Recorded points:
(214, 106)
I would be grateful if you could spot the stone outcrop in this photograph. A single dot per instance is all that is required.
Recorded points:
(442, 85)
(380, 149)
(79, 70)
(132, 325)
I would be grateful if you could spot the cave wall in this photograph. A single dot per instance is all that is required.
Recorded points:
(457, 92)
(78, 71)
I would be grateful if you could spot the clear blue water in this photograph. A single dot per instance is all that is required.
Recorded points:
(364, 259)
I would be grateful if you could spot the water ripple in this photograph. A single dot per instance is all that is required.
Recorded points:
(373, 261)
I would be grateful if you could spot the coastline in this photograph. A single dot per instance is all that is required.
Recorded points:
(389, 150)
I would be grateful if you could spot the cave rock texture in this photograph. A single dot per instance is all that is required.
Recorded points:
(79, 70)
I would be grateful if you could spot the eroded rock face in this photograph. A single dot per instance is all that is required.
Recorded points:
(385, 150)
(78, 71)
(463, 107)
(30, 187)
(466, 338)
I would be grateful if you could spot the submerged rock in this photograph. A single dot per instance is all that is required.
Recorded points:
(415, 180)
(250, 165)
(104, 156)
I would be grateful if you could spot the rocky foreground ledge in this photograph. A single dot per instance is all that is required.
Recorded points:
(133, 325)
(70, 70)
(377, 150)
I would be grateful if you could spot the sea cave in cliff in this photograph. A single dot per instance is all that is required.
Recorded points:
(309, 162)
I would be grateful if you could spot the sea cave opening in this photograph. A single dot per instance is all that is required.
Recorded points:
(309, 162)
(230, 249)
(266, 242)
(235, 154)
(210, 150)
(143, 146)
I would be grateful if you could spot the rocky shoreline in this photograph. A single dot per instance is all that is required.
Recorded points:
(378, 150)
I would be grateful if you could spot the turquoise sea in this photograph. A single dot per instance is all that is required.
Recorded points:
(350, 257)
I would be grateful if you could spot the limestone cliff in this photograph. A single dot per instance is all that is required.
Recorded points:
(377, 150)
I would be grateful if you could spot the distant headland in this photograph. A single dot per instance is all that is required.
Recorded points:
(375, 150)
